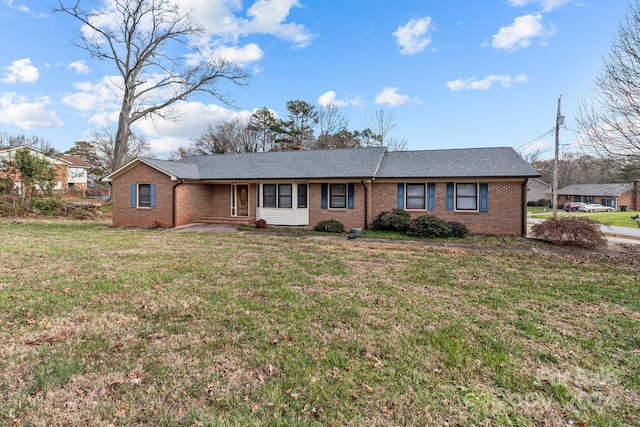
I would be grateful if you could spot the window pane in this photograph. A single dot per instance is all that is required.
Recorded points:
(466, 203)
(284, 195)
(466, 189)
(302, 195)
(415, 196)
(338, 196)
(466, 196)
(144, 195)
(269, 196)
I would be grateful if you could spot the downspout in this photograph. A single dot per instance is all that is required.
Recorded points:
(173, 200)
(366, 205)
(523, 210)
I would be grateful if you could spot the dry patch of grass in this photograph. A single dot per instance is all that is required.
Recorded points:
(103, 326)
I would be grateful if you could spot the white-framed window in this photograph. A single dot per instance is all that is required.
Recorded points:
(466, 196)
(338, 196)
(416, 196)
(281, 196)
(302, 196)
(144, 195)
(76, 173)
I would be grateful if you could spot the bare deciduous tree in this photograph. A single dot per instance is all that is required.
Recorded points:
(21, 140)
(396, 144)
(232, 136)
(137, 37)
(331, 121)
(381, 124)
(99, 151)
(610, 119)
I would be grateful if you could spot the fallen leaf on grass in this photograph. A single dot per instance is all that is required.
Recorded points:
(367, 388)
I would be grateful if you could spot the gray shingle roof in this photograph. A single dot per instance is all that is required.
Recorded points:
(357, 163)
(344, 163)
(458, 163)
(595, 189)
(177, 169)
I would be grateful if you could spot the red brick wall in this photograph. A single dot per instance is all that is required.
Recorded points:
(193, 201)
(124, 215)
(196, 201)
(505, 215)
(631, 198)
(348, 217)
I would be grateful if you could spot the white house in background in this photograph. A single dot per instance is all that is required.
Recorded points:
(77, 172)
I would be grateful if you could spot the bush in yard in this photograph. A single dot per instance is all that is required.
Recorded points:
(48, 206)
(329, 226)
(458, 229)
(429, 226)
(261, 223)
(574, 231)
(397, 220)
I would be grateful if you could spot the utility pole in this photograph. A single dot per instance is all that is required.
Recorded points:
(559, 122)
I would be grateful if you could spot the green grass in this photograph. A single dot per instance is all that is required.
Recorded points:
(103, 326)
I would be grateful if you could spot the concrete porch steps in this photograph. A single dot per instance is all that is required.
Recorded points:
(228, 220)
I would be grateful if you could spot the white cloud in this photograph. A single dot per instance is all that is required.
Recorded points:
(19, 7)
(391, 97)
(269, 17)
(166, 136)
(224, 18)
(21, 71)
(330, 98)
(240, 55)
(101, 96)
(412, 37)
(486, 83)
(546, 5)
(521, 33)
(79, 67)
(27, 114)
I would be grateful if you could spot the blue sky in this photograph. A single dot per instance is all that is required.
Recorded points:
(454, 74)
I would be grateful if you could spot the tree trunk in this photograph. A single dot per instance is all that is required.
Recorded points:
(121, 146)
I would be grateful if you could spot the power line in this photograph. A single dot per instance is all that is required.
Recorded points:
(527, 144)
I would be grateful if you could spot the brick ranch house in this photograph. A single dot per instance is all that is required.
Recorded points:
(484, 188)
(613, 195)
(71, 171)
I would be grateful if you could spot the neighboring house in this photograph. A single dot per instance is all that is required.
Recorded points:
(538, 190)
(77, 171)
(613, 195)
(483, 188)
(8, 153)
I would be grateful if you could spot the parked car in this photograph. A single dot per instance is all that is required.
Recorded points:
(595, 207)
(572, 206)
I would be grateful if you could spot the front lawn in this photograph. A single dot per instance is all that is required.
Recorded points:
(103, 326)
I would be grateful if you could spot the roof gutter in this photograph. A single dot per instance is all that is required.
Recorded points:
(173, 202)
